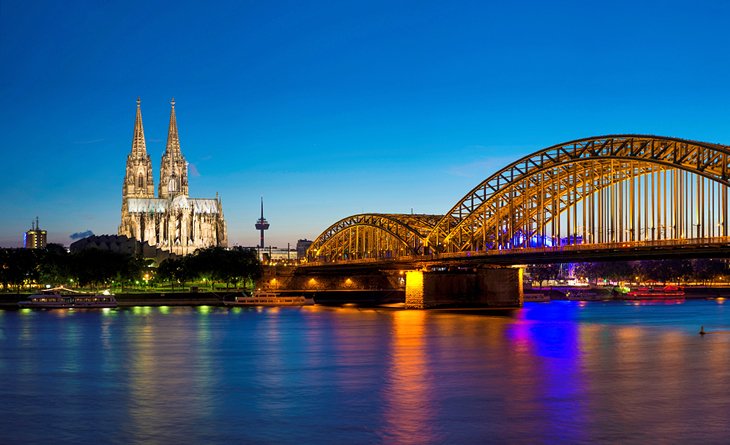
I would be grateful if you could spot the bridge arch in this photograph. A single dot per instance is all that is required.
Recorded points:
(372, 236)
(575, 191)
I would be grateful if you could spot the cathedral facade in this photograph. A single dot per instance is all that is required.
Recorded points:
(172, 221)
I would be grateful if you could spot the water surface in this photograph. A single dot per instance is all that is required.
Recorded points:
(552, 372)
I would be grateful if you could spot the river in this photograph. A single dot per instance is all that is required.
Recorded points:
(560, 372)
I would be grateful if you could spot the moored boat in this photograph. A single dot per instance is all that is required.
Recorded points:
(266, 298)
(62, 298)
(651, 293)
(536, 297)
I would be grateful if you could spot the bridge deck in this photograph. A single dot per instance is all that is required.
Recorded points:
(718, 247)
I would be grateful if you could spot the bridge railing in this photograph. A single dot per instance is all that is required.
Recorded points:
(626, 245)
(602, 246)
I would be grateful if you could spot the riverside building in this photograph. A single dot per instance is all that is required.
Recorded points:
(35, 238)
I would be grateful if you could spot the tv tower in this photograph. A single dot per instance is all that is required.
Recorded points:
(262, 224)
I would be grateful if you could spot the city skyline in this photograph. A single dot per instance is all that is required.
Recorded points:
(331, 111)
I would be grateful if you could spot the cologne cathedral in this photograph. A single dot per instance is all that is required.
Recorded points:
(172, 222)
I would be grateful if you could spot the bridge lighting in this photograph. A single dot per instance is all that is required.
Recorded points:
(611, 191)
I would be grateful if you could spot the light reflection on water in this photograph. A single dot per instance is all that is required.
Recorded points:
(407, 414)
(557, 372)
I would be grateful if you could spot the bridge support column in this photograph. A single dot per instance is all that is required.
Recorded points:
(501, 287)
(487, 287)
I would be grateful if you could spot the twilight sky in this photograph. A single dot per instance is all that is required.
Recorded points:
(333, 108)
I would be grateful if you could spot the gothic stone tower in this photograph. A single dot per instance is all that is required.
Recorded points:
(172, 221)
(138, 181)
(173, 169)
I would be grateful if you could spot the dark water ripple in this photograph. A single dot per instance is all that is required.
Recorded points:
(562, 372)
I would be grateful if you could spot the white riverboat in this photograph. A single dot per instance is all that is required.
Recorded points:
(62, 298)
(268, 298)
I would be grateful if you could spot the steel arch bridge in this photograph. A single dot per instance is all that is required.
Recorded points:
(617, 190)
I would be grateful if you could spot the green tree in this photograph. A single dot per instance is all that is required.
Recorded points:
(173, 270)
(54, 266)
(19, 266)
(543, 272)
(99, 267)
(709, 269)
(227, 266)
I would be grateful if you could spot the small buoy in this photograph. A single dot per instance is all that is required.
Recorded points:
(702, 330)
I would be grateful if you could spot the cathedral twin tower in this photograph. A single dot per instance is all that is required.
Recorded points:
(172, 221)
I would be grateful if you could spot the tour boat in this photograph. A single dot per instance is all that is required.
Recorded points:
(62, 298)
(650, 293)
(585, 295)
(267, 298)
(536, 297)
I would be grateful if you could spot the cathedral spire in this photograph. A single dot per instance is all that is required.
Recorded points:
(173, 170)
(138, 181)
(173, 140)
(139, 147)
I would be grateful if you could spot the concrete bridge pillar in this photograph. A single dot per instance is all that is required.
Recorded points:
(485, 287)
(501, 286)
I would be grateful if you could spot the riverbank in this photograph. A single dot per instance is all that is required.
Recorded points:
(10, 301)
(606, 293)
(363, 298)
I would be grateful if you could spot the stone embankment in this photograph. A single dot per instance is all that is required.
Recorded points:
(10, 301)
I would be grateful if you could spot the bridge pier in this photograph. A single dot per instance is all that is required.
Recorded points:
(485, 287)
(335, 286)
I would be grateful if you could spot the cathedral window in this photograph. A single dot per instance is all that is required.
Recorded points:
(140, 181)
(172, 185)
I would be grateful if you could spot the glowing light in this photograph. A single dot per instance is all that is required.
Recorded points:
(414, 289)
(204, 309)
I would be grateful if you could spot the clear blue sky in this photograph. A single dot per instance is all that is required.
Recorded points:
(334, 108)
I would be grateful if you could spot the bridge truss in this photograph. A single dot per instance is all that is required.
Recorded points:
(588, 192)
(373, 236)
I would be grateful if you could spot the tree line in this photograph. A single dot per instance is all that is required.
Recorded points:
(665, 271)
(54, 266)
(234, 266)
